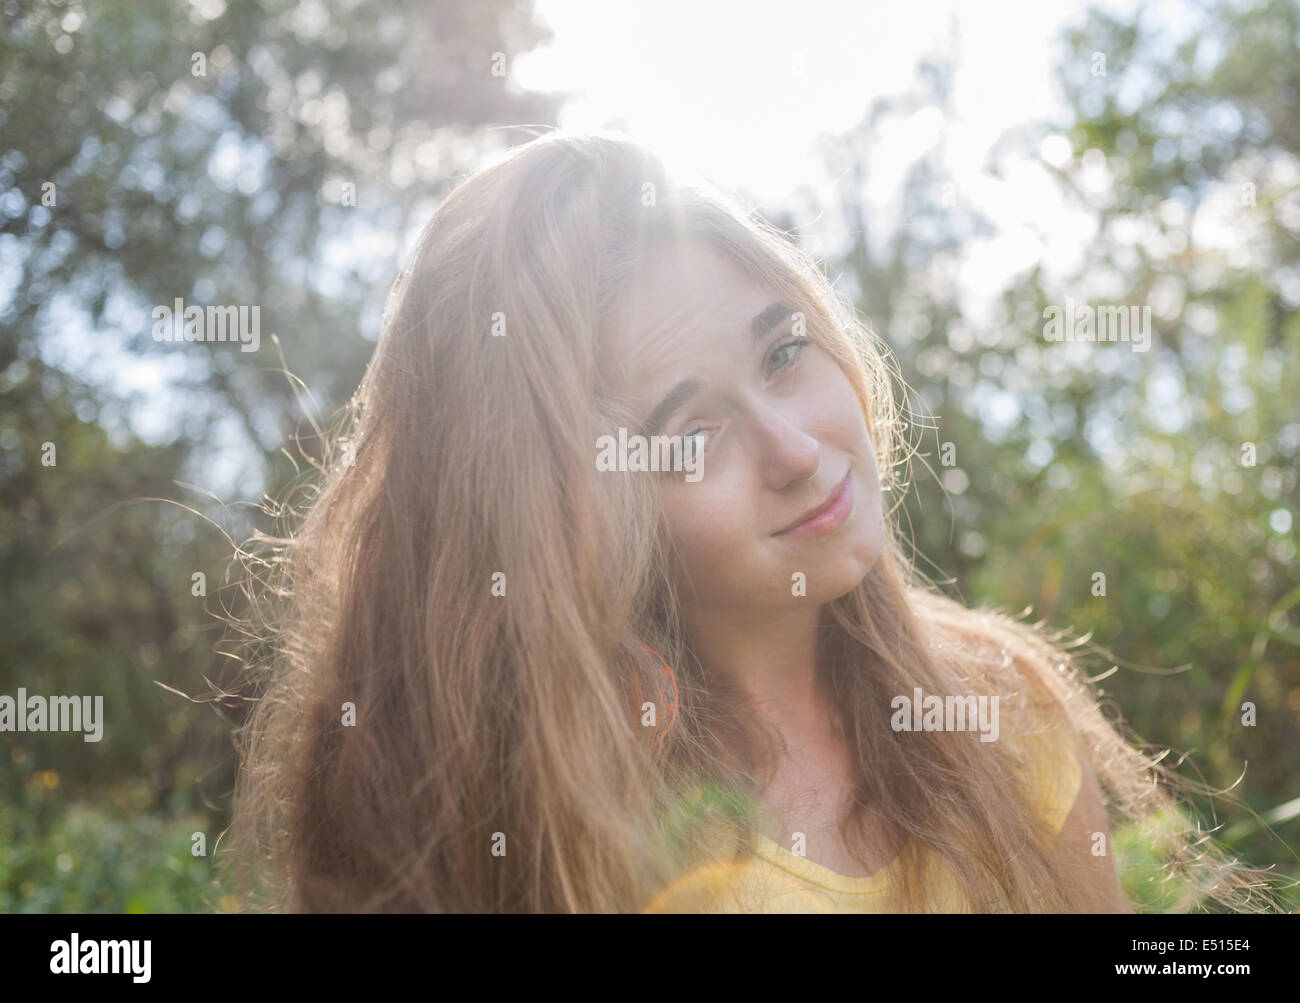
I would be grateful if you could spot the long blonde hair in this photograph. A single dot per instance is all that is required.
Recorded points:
(489, 610)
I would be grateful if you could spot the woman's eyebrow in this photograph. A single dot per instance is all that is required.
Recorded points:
(760, 327)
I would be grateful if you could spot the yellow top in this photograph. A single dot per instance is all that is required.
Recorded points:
(778, 881)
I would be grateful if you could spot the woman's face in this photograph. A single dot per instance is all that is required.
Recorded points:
(781, 431)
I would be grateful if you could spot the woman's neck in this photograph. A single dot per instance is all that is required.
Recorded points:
(769, 655)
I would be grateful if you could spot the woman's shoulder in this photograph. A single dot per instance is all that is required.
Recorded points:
(998, 650)
(1028, 674)
(1052, 771)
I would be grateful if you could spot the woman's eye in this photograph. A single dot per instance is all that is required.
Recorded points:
(692, 442)
(690, 445)
(686, 454)
(796, 345)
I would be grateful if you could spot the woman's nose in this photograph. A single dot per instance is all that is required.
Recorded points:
(787, 453)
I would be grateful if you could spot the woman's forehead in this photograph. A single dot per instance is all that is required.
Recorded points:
(685, 293)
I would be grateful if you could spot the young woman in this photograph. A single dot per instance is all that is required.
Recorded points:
(516, 670)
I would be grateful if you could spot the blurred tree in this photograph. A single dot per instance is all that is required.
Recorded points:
(205, 151)
(1171, 471)
(1185, 148)
(271, 153)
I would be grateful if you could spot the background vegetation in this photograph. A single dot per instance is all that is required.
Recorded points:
(230, 187)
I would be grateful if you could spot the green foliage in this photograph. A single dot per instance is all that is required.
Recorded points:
(221, 186)
(1067, 462)
(1173, 471)
(122, 851)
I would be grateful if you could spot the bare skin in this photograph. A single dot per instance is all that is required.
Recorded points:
(1078, 846)
(782, 427)
(808, 795)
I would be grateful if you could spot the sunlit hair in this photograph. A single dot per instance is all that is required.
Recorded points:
(465, 467)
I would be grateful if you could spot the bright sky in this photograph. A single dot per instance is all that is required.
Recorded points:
(740, 92)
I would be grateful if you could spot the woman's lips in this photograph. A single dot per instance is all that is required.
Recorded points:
(829, 519)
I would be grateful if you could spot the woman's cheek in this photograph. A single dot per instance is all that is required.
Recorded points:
(704, 539)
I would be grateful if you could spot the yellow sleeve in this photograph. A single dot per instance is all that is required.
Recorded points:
(1052, 774)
